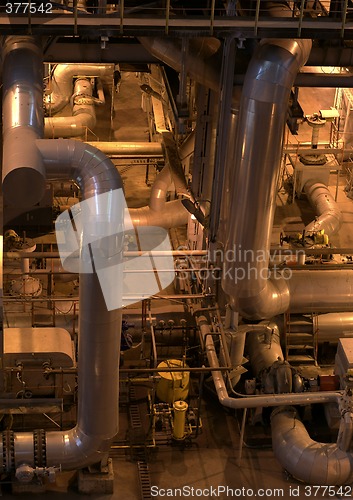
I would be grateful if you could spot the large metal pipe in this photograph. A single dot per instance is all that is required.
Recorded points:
(97, 420)
(159, 212)
(307, 460)
(23, 171)
(202, 61)
(329, 215)
(62, 82)
(262, 116)
(83, 114)
(129, 148)
(309, 291)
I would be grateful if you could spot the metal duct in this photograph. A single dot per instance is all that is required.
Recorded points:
(262, 116)
(309, 291)
(97, 419)
(61, 82)
(83, 114)
(253, 401)
(307, 460)
(329, 216)
(23, 170)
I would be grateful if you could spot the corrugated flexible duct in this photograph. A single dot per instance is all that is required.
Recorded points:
(99, 341)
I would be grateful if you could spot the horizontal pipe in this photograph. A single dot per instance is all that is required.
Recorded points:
(129, 253)
(174, 214)
(129, 148)
(309, 291)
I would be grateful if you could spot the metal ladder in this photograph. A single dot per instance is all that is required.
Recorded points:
(301, 339)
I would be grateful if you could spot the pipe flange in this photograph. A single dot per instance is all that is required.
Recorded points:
(40, 449)
(8, 451)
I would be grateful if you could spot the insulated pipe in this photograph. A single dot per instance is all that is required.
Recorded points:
(129, 148)
(160, 188)
(23, 170)
(263, 111)
(329, 216)
(202, 61)
(99, 340)
(83, 114)
(61, 82)
(159, 212)
(305, 459)
(254, 401)
(332, 326)
(309, 291)
(264, 348)
(174, 214)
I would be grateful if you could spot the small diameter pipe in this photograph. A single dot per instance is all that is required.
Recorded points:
(255, 401)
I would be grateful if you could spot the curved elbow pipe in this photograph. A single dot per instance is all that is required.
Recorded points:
(69, 126)
(83, 114)
(61, 82)
(263, 111)
(329, 216)
(99, 341)
(305, 459)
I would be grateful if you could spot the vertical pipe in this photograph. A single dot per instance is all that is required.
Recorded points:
(23, 170)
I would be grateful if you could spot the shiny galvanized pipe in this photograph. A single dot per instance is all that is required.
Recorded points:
(307, 460)
(263, 111)
(23, 171)
(99, 341)
(329, 216)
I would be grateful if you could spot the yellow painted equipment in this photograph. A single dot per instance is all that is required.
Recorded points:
(173, 386)
(180, 408)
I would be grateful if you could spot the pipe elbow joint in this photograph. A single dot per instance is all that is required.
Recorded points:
(273, 299)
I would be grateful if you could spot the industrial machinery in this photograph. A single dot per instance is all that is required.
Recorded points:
(173, 263)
